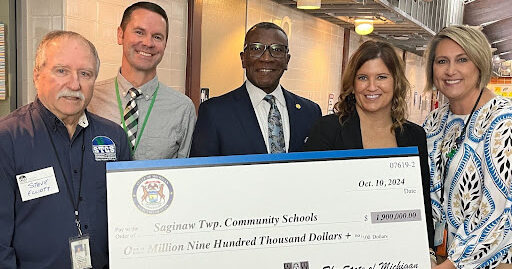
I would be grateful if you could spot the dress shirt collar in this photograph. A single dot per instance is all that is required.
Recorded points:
(83, 121)
(147, 89)
(50, 118)
(256, 94)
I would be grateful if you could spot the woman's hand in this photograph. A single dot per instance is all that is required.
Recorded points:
(446, 265)
(433, 264)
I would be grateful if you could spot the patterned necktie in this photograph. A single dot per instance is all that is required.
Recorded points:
(275, 127)
(131, 116)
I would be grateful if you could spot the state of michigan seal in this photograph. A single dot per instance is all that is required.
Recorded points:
(152, 194)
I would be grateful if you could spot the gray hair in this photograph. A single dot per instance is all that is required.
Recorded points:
(55, 35)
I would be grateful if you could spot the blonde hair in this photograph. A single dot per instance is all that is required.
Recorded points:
(473, 42)
(370, 50)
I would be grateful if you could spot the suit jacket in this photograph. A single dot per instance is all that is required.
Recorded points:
(227, 125)
(329, 134)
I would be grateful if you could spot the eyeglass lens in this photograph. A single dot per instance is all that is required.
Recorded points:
(276, 50)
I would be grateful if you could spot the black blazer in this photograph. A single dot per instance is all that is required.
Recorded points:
(227, 125)
(329, 134)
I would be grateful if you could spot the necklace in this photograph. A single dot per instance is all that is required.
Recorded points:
(458, 141)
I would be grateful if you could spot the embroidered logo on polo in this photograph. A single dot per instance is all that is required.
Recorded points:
(104, 149)
(152, 194)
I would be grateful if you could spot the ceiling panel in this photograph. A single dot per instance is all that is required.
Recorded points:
(408, 33)
(503, 46)
(480, 12)
(500, 30)
(507, 56)
(402, 32)
(495, 16)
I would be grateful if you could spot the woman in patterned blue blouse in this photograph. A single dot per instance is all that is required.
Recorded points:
(469, 141)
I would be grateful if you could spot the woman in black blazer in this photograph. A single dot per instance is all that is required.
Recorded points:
(371, 113)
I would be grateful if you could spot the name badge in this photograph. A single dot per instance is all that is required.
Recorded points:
(80, 252)
(37, 184)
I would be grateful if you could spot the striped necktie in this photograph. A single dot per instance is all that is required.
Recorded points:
(275, 127)
(131, 116)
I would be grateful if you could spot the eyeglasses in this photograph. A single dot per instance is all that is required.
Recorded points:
(256, 50)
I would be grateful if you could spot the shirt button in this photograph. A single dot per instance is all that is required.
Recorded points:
(86, 226)
(75, 171)
(81, 198)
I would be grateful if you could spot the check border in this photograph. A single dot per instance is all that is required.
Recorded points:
(260, 158)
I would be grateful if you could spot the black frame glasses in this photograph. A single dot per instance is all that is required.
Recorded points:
(256, 50)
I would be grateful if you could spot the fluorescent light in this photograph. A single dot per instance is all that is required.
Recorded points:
(364, 26)
(309, 4)
(401, 37)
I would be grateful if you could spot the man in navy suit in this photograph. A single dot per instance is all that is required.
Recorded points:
(238, 122)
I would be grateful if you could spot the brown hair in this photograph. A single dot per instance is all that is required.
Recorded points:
(147, 6)
(370, 50)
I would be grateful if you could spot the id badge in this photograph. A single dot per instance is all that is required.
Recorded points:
(440, 239)
(80, 252)
(439, 228)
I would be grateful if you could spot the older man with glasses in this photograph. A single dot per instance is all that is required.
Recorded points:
(260, 116)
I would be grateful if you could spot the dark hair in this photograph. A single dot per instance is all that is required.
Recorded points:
(265, 25)
(148, 6)
(370, 50)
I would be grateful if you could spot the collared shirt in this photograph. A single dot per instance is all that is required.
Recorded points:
(168, 132)
(262, 108)
(35, 233)
(82, 121)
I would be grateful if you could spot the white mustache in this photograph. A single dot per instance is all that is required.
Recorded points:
(70, 93)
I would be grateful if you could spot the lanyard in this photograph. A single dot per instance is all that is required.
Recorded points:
(454, 148)
(121, 111)
(70, 192)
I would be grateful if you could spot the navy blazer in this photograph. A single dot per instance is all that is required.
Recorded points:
(329, 134)
(227, 125)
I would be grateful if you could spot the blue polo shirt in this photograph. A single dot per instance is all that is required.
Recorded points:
(36, 233)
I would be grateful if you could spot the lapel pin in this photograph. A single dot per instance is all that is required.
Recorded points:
(297, 106)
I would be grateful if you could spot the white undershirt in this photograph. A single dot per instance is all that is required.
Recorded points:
(262, 108)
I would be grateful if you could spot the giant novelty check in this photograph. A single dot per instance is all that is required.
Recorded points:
(337, 209)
